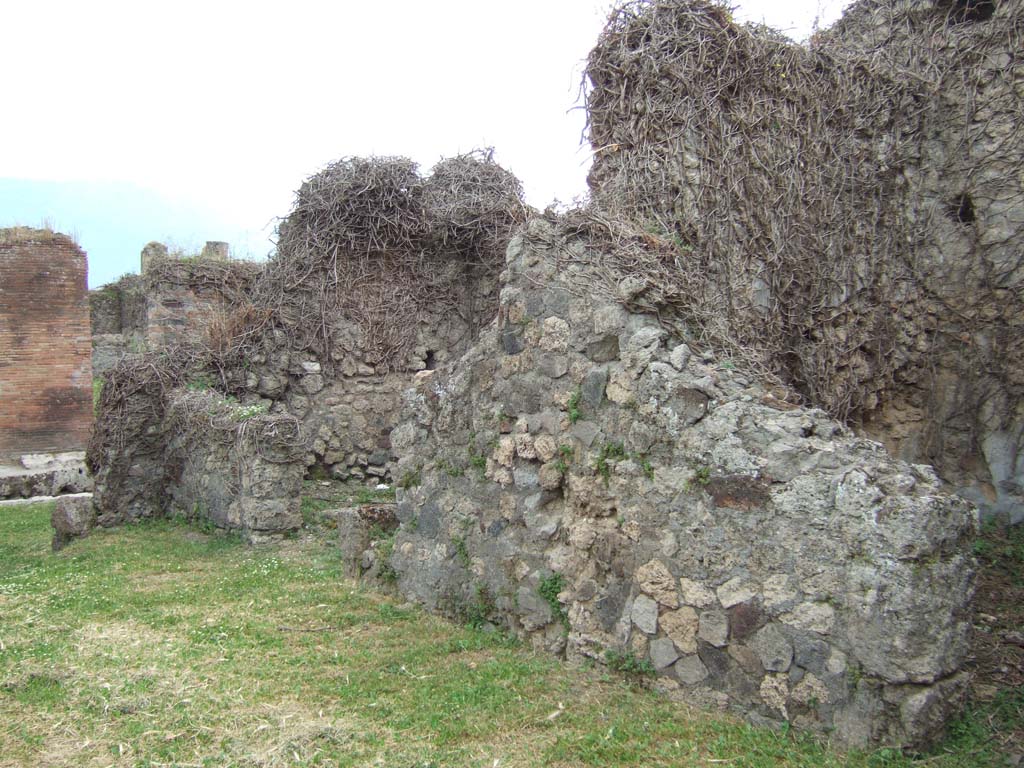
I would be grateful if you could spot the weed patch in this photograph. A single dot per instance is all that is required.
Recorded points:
(550, 587)
(628, 664)
(609, 452)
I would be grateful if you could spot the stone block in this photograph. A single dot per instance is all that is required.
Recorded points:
(72, 518)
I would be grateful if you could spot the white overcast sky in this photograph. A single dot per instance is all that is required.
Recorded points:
(225, 107)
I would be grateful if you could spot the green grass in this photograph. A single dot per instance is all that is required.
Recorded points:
(609, 452)
(573, 406)
(157, 645)
(627, 663)
(97, 390)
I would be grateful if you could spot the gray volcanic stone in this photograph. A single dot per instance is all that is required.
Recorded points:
(773, 649)
(663, 653)
(714, 628)
(645, 614)
(604, 350)
(592, 389)
(690, 670)
(72, 518)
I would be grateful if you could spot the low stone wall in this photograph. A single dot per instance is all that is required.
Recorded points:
(197, 454)
(589, 483)
(233, 466)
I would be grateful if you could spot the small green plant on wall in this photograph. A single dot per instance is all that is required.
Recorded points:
(701, 477)
(609, 452)
(573, 406)
(410, 479)
(549, 588)
(628, 664)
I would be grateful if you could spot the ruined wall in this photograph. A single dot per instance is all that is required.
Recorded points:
(958, 399)
(172, 301)
(118, 321)
(233, 465)
(45, 369)
(589, 482)
(348, 402)
(350, 406)
(379, 273)
(197, 454)
(186, 298)
(850, 216)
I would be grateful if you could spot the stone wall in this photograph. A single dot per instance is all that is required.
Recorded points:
(183, 297)
(958, 403)
(348, 403)
(590, 483)
(45, 369)
(233, 466)
(915, 109)
(54, 475)
(172, 301)
(118, 321)
(349, 406)
(201, 456)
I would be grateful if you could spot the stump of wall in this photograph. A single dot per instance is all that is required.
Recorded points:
(360, 528)
(234, 466)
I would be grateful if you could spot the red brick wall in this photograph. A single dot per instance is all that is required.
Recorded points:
(45, 344)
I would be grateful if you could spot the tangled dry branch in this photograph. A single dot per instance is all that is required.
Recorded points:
(778, 172)
(132, 400)
(371, 241)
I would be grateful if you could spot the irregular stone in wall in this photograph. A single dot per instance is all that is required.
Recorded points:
(656, 580)
(645, 614)
(681, 627)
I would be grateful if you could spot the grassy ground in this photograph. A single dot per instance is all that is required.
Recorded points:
(998, 658)
(158, 645)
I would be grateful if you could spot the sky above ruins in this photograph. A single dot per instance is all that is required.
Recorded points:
(128, 122)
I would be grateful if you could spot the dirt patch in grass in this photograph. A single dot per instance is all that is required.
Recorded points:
(118, 635)
(160, 582)
(287, 733)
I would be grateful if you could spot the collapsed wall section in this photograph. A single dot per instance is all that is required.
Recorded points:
(45, 369)
(233, 465)
(190, 300)
(379, 273)
(592, 484)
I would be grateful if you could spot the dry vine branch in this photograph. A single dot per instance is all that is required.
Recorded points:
(370, 241)
(779, 171)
